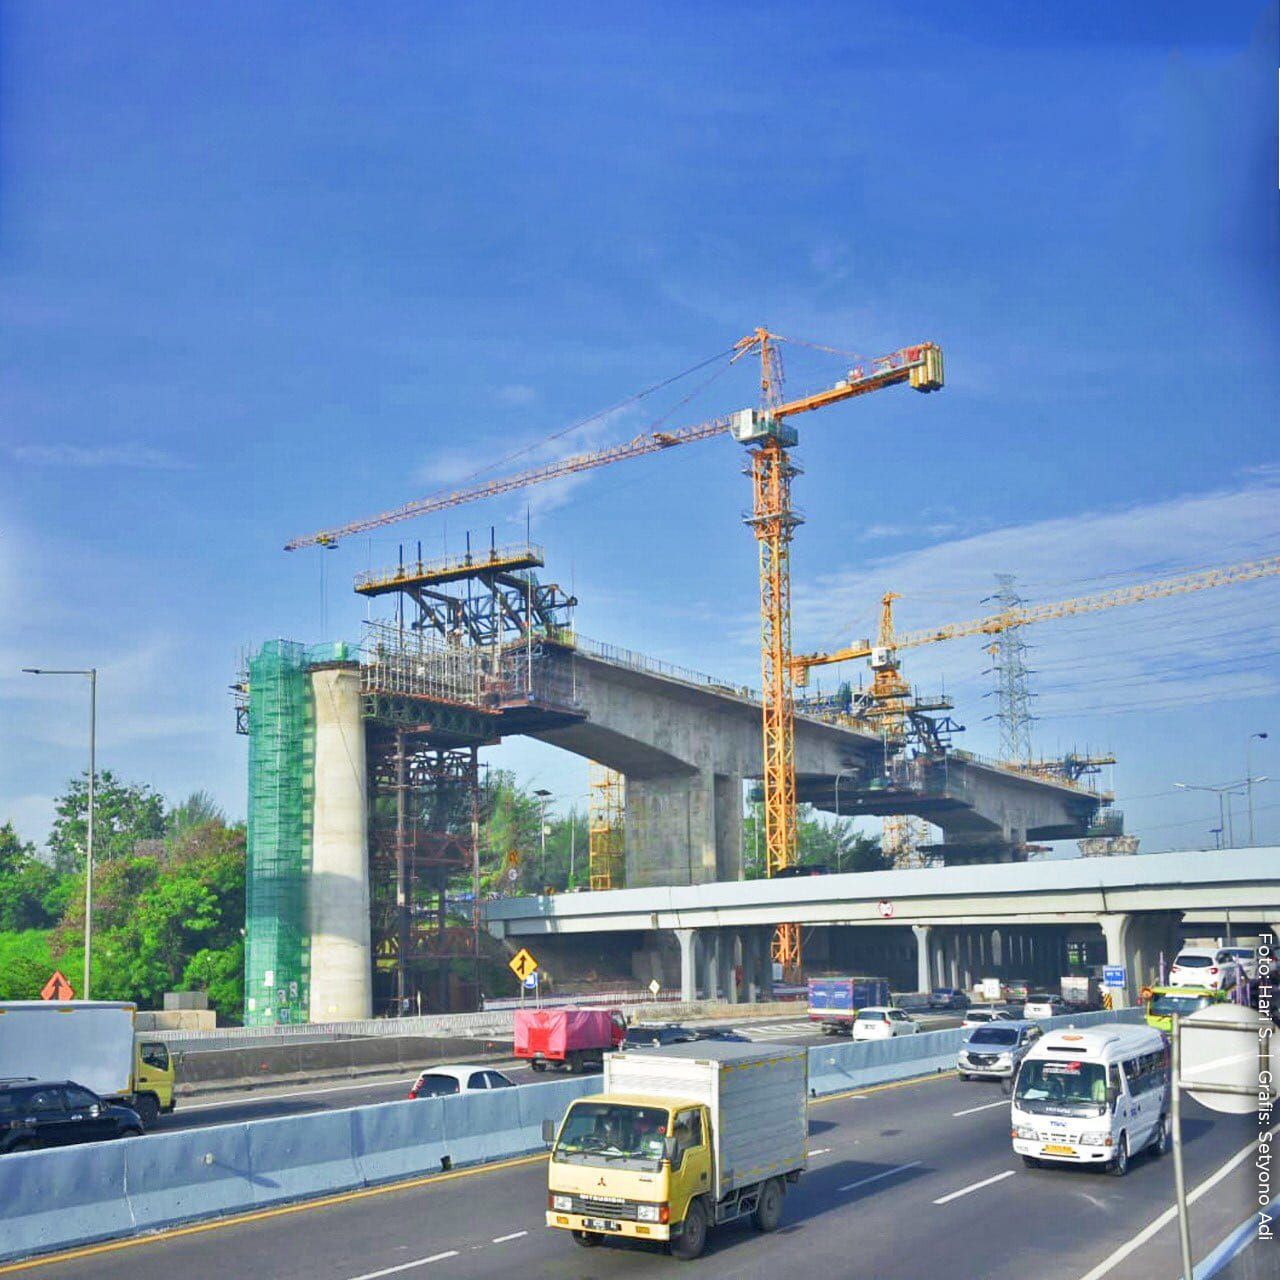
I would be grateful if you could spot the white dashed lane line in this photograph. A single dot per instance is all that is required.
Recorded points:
(974, 1186)
(877, 1177)
(986, 1106)
(515, 1235)
(407, 1266)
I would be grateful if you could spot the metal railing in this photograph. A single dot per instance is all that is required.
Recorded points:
(617, 656)
(516, 553)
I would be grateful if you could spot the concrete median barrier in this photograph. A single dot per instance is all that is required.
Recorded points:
(292, 1157)
(399, 1139)
(56, 1199)
(171, 1177)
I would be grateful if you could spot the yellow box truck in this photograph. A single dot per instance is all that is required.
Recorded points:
(682, 1139)
(91, 1042)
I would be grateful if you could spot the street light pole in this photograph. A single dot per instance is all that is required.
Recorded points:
(92, 673)
(1223, 793)
(1248, 778)
(839, 845)
(542, 795)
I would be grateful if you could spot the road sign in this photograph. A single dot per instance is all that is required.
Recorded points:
(654, 987)
(522, 964)
(1220, 1052)
(885, 908)
(531, 982)
(513, 874)
(1113, 975)
(57, 988)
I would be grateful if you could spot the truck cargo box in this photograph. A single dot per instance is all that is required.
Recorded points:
(556, 1033)
(757, 1096)
(837, 1000)
(88, 1041)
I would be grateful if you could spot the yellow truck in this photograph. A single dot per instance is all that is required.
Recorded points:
(682, 1139)
(91, 1042)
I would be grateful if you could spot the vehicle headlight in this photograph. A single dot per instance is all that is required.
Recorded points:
(1023, 1132)
(562, 1204)
(647, 1212)
(1094, 1139)
(1003, 1057)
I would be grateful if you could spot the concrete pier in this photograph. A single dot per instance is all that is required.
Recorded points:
(338, 903)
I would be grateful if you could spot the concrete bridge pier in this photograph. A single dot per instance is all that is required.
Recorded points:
(1139, 940)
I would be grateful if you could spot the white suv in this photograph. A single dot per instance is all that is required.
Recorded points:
(1212, 967)
(880, 1022)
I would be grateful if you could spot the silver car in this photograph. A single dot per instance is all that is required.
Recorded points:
(996, 1050)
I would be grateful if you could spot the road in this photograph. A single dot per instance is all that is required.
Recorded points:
(907, 1182)
(261, 1103)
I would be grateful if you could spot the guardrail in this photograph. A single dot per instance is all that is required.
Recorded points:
(72, 1196)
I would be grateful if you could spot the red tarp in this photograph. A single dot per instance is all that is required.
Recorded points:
(554, 1032)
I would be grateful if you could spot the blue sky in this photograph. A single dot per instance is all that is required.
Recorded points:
(266, 268)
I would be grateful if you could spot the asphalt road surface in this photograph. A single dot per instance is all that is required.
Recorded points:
(906, 1181)
(263, 1102)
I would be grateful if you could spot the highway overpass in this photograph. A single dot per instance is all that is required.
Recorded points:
(965, 922)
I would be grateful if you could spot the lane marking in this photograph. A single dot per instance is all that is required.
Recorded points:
(515, 1235)
(867, 1090)
(986, 1106)
(407, 1266)
(820, 1151)
(305, 1206)
(1152, 1228)
(974, 1186)
(876, 1177)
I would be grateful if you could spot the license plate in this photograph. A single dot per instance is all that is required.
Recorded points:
(601, 1224)
(1059, 1151)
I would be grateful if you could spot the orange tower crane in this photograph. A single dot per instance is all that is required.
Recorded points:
(767, 434)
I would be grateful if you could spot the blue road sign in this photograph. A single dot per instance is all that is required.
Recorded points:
(1113, 975)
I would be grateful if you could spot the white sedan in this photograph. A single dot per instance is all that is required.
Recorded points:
(459, 1077)
(880, 1023)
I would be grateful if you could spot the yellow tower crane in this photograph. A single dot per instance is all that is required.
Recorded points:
(890, 693)
(769, 437)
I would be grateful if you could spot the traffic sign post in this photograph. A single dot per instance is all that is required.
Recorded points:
(1113, 975)
(522, 964)
(57, 988)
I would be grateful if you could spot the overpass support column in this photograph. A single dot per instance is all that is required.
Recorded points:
(1115, 929)
(729, 967)
(711, 943)
(688, 940)
(922, 932)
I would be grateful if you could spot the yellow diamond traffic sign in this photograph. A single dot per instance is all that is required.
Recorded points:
(522, 964)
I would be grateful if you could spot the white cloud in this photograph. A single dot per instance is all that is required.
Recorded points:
(137, 457)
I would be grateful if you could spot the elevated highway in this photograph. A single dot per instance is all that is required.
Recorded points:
(687, 742)
(966, 921)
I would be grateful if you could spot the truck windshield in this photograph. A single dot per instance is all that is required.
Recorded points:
(1062, 1088)
(614, 1133)
(1166, 1005)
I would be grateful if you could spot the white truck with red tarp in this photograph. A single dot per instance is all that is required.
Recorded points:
(567, 1039)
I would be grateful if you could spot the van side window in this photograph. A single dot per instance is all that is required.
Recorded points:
(1132, 1073)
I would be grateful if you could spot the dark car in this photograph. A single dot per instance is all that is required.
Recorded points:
(720, 1033)
(948, 998)
(58, 1113)
(641, 1037)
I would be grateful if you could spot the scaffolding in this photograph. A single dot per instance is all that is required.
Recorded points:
(606, 828)
(281, 751)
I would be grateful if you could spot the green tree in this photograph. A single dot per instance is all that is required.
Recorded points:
(123, 814)
(197, 810)
(32, 894)
(820, 841)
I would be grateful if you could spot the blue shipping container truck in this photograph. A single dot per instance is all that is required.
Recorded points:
(835, 1002)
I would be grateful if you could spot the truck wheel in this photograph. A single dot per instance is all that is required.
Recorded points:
(1031, 1162)
(535, 1065)
(768, 1212)
(690, 1243)
(147, 1105)
(571, 1064)
(588, 1239)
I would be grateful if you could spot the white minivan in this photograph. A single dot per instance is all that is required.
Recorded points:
(1097, 1095)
